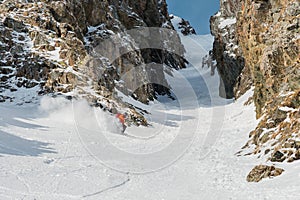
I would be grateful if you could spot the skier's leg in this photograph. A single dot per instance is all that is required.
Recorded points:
(124, 128)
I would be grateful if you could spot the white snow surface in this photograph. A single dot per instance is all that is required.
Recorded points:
(175, 21)
(58, 149)
(227, 22)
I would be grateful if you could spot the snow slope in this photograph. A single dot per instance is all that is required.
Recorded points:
(59, 149)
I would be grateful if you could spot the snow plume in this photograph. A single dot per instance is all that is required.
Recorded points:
(78, 113)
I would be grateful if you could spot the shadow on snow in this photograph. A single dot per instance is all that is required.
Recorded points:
(11, 144)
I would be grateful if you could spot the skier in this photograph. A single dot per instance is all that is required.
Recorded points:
(122, 118)
(204, 61)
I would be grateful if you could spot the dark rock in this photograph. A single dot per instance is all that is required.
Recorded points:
(69, 97)
(5, 70)
(186, 28)
(278, 157)
(227, 52)
(13, 89)
(15, 25)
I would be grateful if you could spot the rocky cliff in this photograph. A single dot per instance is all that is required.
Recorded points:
(257, 44)
(268, 32)
(226, 49)
(61, 47)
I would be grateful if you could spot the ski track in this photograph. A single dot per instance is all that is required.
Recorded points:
(61, 167)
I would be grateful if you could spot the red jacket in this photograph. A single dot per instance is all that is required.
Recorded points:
(121, 117)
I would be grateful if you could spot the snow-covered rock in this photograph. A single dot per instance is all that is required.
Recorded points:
(55, 47)
(182, 26)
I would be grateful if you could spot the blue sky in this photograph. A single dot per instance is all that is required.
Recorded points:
(197, 12)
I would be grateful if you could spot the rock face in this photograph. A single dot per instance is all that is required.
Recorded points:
(257, 44)
(54, 45)
(268, 32)
(226, 49)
